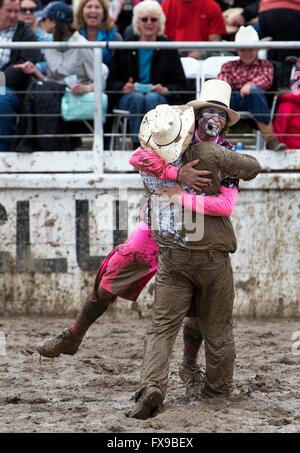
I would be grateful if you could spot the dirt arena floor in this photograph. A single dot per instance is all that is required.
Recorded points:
(91, 391)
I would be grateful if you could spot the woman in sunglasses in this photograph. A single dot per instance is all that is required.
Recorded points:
(32, 18)
(28, 8)
(145, 78)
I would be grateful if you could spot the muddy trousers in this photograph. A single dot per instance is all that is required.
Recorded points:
(181, 275)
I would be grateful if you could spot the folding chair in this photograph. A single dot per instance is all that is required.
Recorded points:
(192, 70)
(118, 138)
(211, 67)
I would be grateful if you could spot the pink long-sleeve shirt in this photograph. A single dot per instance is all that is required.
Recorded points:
(222, 204)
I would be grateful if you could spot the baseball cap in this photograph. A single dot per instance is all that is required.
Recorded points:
(59, 11)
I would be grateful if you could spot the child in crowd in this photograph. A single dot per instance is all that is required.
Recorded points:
(250, 77)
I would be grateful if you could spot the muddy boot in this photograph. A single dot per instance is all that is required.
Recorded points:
(234, 396)
(192, 377)
(147, 404)
(64, 343)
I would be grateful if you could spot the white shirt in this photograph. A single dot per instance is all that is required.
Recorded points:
(6, 36)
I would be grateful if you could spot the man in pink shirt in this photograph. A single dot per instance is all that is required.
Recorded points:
(193, 263)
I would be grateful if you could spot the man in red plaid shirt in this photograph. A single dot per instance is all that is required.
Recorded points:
(250, 77)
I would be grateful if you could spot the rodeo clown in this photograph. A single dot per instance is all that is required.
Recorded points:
(191, 267)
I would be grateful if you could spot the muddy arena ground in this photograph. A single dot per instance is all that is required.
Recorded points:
(92, 391)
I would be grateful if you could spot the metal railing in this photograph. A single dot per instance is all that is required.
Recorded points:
(97, 53)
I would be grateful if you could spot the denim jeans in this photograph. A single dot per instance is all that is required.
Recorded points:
(9, 104)
(139, 104)
(255, 102)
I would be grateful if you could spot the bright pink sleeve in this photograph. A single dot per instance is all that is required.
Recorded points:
(151, 164)
(221, 205)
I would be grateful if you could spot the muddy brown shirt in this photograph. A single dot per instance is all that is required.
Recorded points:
(201, 232)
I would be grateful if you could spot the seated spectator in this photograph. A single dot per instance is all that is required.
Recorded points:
(13, 30)
(251, 77)
(41, 27)
(93, 22)
(32, 17)
(287, 118)
(295, 82)
(193, 21)
(158, 71)
(61, 64)
(28, 8)
(280, 20)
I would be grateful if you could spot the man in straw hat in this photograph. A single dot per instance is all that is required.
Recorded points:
(250, 77)
(192, 265)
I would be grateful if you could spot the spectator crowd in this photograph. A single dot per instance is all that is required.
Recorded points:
(139, 80)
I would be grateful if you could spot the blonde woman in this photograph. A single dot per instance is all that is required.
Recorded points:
(146, 78)
(94, 23)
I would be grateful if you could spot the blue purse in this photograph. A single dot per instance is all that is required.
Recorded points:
(81, 107)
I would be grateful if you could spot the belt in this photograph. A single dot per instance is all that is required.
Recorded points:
(188, 252)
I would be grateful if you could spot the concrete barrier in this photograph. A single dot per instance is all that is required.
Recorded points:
(56, 228)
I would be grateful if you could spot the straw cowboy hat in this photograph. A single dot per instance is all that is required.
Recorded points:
(216, 93)
(167, 130)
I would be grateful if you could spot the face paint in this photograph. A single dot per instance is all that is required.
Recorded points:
(212, 121)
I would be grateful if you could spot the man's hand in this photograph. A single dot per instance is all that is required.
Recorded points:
(245, 90)
(192, 177)
(28, 67)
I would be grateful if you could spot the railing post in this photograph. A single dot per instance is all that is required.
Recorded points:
(98, 124)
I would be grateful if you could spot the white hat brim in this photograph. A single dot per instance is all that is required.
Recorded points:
(170, 153)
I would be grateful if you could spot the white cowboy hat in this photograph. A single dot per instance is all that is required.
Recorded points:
(246, 35)
(216, 93)
(167, 130)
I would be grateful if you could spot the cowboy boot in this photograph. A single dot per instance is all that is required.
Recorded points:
(272, 142)
(193, 377)
(148, 403)
(66, 342)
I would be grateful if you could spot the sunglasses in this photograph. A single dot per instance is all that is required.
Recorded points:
(211, 111)
(28, 10)
(149, 19)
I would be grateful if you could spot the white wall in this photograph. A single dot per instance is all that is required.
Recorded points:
(54, 227)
